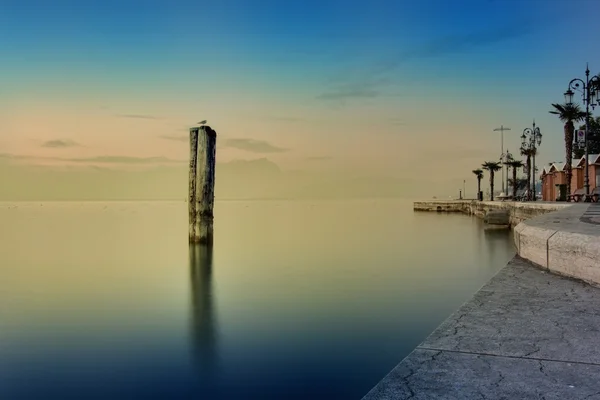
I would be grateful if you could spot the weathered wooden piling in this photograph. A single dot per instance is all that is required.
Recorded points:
(192, 182)
(201, 199)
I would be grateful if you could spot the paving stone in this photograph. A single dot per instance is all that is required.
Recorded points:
(526, 334)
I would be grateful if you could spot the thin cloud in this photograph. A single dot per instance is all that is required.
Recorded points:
(137, 116)
(367, 84)
(287, 119)
(97, 160)
(319, 158)
(56, 144)
(13, 156)
(456, 43)
(397, 122)
(253, 146)
(176, 138)
(125, 160)
(460, 153)
(349, 91)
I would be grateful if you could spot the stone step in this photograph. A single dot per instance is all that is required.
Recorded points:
(497, 217)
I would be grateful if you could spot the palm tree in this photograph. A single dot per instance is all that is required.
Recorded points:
(491, 167)
(528, 152)
(514, 164)
(569, 113)
(519, 183)
(479, 174)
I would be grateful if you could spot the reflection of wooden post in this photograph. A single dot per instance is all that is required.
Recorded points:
(203, 318)
(203, 146)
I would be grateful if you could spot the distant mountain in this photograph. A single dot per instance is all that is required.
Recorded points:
(260, 167)
(248, 179)
(354, 187)
(238, 179)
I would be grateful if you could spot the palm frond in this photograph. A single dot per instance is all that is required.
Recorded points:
(568, 112)
(515, 163)
(491, 166)
(478, 173)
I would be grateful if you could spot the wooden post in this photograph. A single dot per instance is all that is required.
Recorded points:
(202, 184)
(192, 182)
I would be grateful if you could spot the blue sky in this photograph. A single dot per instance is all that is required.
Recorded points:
(316, 77)
(289, 43)
(297, 41)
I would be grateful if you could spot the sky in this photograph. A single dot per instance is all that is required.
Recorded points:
(98, 97)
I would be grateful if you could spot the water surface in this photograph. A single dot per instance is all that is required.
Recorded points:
(299, 299)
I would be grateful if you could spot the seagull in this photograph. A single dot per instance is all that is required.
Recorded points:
(202, 122)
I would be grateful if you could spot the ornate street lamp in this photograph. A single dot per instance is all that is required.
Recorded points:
(531, 139)
(590, 89)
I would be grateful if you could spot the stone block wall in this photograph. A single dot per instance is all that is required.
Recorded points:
(518, 211)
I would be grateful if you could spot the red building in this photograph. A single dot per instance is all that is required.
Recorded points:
(554, 175)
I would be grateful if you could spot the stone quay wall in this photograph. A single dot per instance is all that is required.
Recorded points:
(518, 211)
(563, 238)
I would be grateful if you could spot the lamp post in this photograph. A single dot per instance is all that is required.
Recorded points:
(590, 89)
(505, 158)
(530, 140)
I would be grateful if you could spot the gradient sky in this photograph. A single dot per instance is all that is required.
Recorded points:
(398, 89)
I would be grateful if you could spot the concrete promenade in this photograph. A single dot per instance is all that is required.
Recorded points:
(566, 241)
(527, 334)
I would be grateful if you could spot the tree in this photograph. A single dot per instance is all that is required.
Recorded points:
(569, 114)
(519, 183)
(528, 153)
(491, 167)
(593, 138)
(514, 164)
(479, 174)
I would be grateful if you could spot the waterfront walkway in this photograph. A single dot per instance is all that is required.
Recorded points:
(527, 334)
(591, 215)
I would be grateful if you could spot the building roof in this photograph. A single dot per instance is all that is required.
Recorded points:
(576, 163)
(593, 159)
(559, 166)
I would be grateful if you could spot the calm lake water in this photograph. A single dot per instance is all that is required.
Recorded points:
(297, 300)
